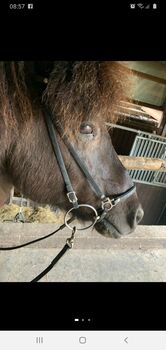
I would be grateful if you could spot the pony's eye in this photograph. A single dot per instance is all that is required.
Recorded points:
(86, 129)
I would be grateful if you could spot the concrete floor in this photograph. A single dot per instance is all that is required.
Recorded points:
(139, 257)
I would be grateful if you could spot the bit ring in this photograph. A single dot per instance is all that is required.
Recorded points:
(79, 206)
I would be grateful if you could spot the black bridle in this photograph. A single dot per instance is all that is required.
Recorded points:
(106, 203)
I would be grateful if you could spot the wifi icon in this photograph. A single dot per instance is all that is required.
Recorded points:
(141, 6)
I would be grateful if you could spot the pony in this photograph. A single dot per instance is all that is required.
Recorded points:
(83, 96)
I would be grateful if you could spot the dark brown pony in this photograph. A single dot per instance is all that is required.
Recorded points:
(82, 95)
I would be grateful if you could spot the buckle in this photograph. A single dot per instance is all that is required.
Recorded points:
(70, 241)
(107, 204)
(72, 197)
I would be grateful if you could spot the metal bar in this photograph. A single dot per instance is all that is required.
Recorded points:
(146, 145)
(160, 177)
(149, 175)
(150, 183)
(133, 152)
(146, 104)
(139, 117)
(163, 177)
(138, 174)
(145, 173)
(159, 152)
(140, 145)
(154, 140)
(136, 131)
(116, 126)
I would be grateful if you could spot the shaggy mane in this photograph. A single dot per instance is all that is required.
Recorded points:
(76, 90)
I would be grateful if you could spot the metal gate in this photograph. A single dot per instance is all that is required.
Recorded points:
(152, 146)
(147, 145)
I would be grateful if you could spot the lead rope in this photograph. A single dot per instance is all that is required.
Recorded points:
(67, 246)
(38, 239)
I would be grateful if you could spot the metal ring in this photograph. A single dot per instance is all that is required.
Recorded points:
(81, 205)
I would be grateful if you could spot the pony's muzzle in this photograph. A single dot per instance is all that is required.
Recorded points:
(135, 217)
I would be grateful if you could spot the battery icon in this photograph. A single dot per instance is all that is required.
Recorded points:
(30, 6)
(154, 6)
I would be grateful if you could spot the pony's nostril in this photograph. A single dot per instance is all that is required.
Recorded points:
(139, 215)
(135, 217)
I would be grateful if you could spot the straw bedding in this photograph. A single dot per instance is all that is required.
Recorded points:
(37, 215)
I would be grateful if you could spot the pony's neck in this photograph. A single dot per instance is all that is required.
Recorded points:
(32, 165)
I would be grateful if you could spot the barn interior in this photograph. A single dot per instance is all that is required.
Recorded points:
(142, 132)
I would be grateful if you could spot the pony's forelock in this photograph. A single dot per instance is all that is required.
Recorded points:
(86, 90)
(76, 91)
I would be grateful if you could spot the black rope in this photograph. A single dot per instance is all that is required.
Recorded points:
(38, 239)
(54, 261)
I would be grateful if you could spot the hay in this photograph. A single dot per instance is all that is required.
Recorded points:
(38, 215)
(45, 215)
(8, 212)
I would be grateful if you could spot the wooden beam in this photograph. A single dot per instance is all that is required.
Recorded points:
(149, 76)
(141, 163)
(146, 104)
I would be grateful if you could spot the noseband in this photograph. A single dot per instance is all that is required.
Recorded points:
(106, 203)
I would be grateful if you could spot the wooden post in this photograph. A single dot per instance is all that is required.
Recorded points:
(141, 163)
(11, 195)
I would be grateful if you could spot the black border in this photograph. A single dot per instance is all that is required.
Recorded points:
(62, 34)
(66, 31)
(110, 306)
